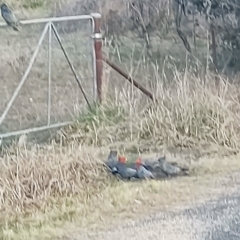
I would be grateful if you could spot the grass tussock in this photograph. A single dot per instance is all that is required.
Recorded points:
(57, 195)
(186, 114)
(30, 180)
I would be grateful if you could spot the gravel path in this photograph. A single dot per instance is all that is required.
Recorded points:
(213, 220)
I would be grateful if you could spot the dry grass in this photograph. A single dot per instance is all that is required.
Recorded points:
(43, 179)
(31, 177)
(46, 189)
(186, 114)
(52, 191)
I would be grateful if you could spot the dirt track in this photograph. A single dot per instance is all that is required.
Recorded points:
(211, 220)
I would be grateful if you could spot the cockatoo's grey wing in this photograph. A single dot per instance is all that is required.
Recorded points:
(162, 164)
(9, 17)
(131, 172)
(114, 170)
(148, 167)
(112, 159)
(148, 174)
(178, 169)
(144, 173)
(173, 169)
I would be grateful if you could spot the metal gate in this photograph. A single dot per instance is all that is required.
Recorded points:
(51, 30)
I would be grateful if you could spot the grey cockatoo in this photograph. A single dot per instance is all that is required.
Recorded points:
(112, 160)
(152, 165)
(9, 17)
(142, 171)
(124, 171)
(149, 164)
(169, 169)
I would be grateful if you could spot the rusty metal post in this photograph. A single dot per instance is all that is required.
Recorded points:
(98, 53)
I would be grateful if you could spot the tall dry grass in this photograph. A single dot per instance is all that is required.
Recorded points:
(32, 178)
(70, 173)
(186, 113)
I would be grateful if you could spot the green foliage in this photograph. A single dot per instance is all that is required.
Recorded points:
(98, 114)
(34, 4)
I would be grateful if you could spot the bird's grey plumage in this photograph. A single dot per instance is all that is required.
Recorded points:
(158, 173)
(126, 172)
(170, 169)
(112, 160)
(153, 166)
(150, 164)
(9, 17)
(133, 165)
(143, 173)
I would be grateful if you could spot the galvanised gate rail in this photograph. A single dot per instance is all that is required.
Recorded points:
(97, 66)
